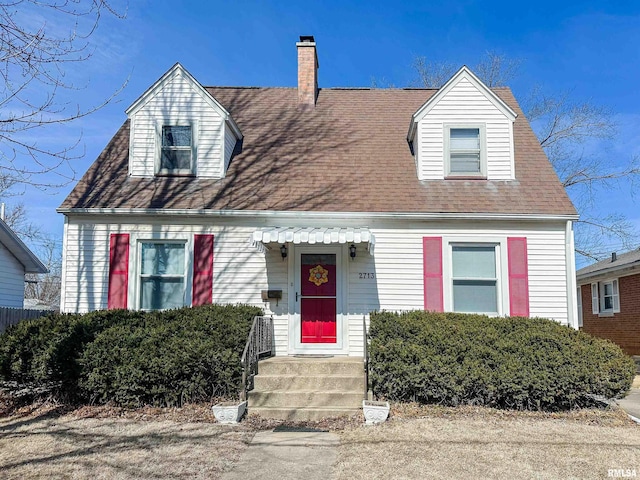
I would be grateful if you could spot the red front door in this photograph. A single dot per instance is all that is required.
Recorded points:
(318, 298)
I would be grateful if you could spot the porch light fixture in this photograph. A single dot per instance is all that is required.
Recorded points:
(283, 251)
(352, 251)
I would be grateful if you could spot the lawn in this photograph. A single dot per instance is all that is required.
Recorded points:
(418, 442)
(143, 447)
(483, 443)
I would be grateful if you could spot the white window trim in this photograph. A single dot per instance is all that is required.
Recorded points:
(446, 134)
(342, 297)
(188, 254)
(502, 273)
(194, 146)
(579, 304)
(597, 297)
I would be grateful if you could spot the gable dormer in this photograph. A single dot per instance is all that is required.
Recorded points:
(464, 131)
(177, 128)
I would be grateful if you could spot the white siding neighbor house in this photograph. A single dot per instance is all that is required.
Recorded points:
(321, 205)
(15, 261)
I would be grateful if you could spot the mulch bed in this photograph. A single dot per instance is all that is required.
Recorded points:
(201, 412)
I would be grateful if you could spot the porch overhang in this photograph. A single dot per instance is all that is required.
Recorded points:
(314, 236)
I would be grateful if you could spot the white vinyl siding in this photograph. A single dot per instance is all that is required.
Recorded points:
(465, 104)
(11, 280)
(391, 279)
(177, 103)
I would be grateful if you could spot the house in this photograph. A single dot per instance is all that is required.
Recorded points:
(16, 260)
(322, 205)
(609, 300)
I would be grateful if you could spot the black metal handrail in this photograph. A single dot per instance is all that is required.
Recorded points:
(259, 345)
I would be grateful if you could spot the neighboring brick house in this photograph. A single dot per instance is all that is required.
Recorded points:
(609, 300)
(321, 205)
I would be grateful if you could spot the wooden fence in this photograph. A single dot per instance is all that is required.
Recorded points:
(11, 316)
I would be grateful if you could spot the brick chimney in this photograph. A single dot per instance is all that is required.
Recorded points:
(307, 71)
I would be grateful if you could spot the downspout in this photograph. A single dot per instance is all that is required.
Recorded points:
(572, 301)
(63, 279)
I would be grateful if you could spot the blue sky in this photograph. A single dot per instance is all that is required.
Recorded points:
(587, 48)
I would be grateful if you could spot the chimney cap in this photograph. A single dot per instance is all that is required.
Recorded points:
(307, 38)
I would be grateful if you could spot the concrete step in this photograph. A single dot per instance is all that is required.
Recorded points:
(301, 398)
(303, 413)
(343, 383)
(312, 366)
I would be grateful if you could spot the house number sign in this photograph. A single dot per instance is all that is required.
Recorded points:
(366, 275)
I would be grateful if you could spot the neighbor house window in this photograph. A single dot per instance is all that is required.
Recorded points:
(162, 275)
(605, 297)
(465, 151)
(474, 279)
(176, 153)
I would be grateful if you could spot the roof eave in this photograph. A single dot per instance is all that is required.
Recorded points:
(20, 251)
(146, 96)
(317, 215)
(464, 71)
(622, 270)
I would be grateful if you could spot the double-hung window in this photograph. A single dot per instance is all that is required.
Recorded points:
(605, 298)
(465, 151)
(162, 275)
(474, 278)
(176, 150)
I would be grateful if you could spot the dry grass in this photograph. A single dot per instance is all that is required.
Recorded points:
(51, 441)
(469, 442)
(95, 443)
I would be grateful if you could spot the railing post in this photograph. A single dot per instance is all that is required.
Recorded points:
(368, 393)
(254, 348)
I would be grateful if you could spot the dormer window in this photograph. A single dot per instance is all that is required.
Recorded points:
(176, 152)
(465, 151)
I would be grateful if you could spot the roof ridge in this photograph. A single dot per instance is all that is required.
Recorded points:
(381, 89)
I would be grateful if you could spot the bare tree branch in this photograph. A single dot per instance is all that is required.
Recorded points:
(46, 287)
(497, 70)
(16, 219)
(33, 55)
(572, 133)
(432, 74)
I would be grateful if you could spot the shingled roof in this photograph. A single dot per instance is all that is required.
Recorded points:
(348, 154)
(624, 261)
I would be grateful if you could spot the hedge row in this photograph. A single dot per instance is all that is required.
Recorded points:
(129, 357)
(518, 363)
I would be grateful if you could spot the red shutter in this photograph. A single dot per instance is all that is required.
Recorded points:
(202, 269)
(518, 277)
(432, 259)
(118, 270)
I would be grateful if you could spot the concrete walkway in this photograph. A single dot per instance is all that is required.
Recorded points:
(287, 455)
(631, 403)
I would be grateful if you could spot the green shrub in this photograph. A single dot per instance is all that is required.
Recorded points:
(47, 349)
(131, 357)
(176, 356)
(513, 362)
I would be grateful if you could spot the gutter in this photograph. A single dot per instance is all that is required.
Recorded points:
(621, 270)
(316, 215)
